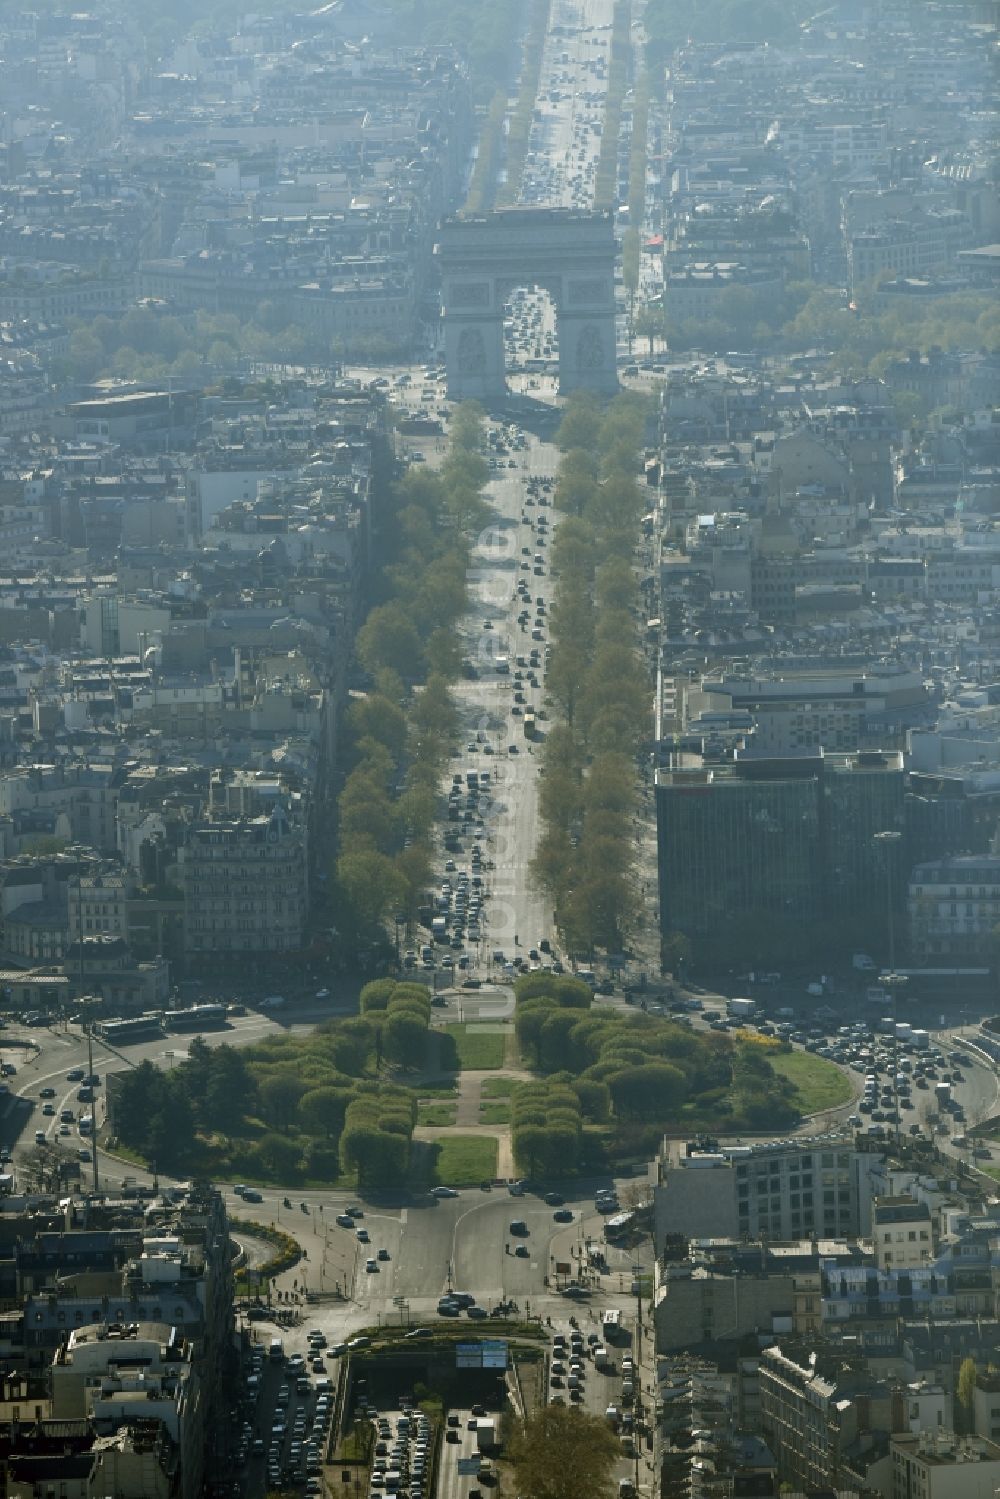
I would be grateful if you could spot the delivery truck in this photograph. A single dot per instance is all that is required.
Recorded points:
(741, 1009)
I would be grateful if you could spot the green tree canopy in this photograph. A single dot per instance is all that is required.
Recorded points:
(561, 1452)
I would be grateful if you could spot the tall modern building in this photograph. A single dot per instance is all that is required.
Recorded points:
(790, 837)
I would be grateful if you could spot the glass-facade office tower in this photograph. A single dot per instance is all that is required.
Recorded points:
(792, 837)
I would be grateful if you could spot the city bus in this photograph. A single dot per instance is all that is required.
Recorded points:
(134, 1028)
(197, 1018)
(611, 1325)
(618, 1227)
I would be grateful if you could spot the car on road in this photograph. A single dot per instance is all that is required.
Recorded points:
(383, 1254)
(518, 1226)
(46, 1092)
(363, 1236)
(443, 1192)
(522, 1251)
(345, 1220)
(371, 1266)
(563, 1216)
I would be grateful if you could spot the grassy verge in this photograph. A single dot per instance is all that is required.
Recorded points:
(494, 1113)
(498, 1087)
(464, 1160)
(435, 1112)
(476, 1047)
(818, 1084)
(287, 1251)
(357, 1444)
(123, 1152)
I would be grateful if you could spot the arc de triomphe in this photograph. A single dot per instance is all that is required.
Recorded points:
(570, 254)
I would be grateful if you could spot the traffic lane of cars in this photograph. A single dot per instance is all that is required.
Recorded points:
(604, 1379)
(462, 1467)
(379, 1242)
(520, 1239)
(48, 1108)
(300, 1420)
(402, 1453)
(467, 1234)
(896, 1079)
(487, 713)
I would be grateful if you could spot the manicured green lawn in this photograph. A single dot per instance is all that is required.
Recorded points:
(494, 1113)
(435, 1112)
(464, 1160)
(819, 1084)
(498, 1087)
(479, 1048)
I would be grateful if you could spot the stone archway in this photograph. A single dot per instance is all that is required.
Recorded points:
(570, 254)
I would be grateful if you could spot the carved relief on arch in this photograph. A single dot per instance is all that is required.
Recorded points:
(471, 353)
(590, 348)
(469, 294)
(592, 290)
